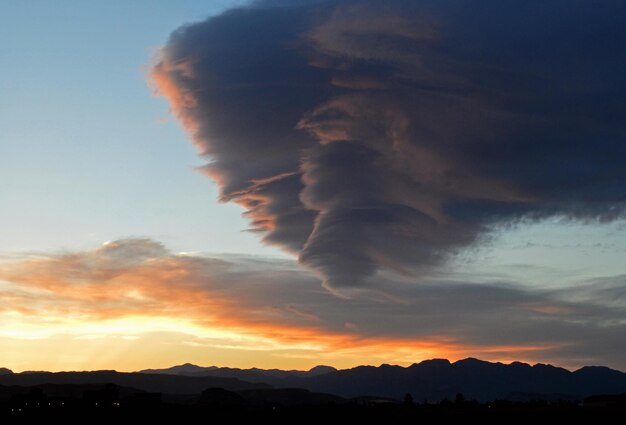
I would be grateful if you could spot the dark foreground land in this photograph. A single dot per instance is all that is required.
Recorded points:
(149, 407)
(380, 414)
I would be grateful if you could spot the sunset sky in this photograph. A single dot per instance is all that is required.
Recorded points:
(287, 183)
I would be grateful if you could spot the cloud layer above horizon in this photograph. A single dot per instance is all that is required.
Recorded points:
(269, 312)
(368, 137)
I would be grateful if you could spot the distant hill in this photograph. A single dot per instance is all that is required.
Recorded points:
(250, 375)
(5, 371)
(433, 380)
(61, 390)
(484, 381)
(167, 384)
(110, 393)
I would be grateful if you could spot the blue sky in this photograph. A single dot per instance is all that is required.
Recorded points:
(87, 153)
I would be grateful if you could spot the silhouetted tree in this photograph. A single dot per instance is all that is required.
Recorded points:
(459, 398)
(408, 399)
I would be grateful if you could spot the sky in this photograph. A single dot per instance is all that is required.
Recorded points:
(293, 183)
(88, 150)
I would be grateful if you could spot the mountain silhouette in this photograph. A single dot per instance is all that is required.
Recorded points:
(250, 375)
(431, 380)
(162, 383)
(63, 390)
(435, 380)
(428, 390)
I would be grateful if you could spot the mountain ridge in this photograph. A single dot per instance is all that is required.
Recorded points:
(436, 379)
(430, 380)
(168, 384)
(251, 375)
(179, 369)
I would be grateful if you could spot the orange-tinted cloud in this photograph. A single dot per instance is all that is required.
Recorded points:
(134, 288)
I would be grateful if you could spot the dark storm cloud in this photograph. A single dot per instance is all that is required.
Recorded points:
(370, 136)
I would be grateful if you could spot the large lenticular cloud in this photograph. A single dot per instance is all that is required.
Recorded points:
(367, 137)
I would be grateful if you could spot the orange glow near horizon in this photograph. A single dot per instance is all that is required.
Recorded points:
(105, 345)
(132, 305)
